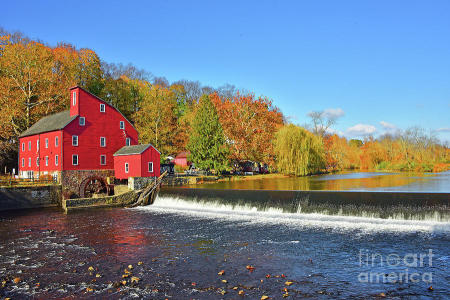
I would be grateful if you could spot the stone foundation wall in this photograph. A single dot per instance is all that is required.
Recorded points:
(138, 183)
(108, 201)
(30, 197)
(71, 179)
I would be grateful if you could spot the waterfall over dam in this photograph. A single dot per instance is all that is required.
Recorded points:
(417, 206)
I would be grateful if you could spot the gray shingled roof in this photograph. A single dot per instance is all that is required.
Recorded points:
(135, 149)
(50, 123)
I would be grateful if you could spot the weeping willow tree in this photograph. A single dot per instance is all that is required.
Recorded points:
(298, 151)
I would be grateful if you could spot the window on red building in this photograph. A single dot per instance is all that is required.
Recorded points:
(102, 141)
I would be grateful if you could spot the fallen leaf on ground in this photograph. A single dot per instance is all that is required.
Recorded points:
(90, 269)
(135, 279)
(140, 263)
(264, 297)
(98, 275)
(224, 281)
(130, 267)
(89, 290)
(16, 280)
(288, 283)
(221, 272)
(250, 268)
(241, 293)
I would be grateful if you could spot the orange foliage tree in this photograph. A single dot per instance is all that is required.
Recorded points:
(249, 125)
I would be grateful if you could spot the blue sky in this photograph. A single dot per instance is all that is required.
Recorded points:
(381, 65)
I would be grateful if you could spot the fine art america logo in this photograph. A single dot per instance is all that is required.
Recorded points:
(393, 268)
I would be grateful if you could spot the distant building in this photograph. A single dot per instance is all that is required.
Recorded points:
(182, 159)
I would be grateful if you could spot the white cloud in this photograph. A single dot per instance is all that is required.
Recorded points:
(333, 112)
(443, 129)
(334, 131)
(361, 130)
(388, 126)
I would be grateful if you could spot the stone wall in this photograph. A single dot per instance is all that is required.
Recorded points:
(107, 201)
(138, 183)
(30, 197)
(71, 179)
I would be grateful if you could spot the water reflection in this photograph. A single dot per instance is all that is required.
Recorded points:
(428, 182)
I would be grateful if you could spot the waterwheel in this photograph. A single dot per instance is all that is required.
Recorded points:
(93, 185)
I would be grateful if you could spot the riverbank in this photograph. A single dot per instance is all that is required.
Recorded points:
(24, 197)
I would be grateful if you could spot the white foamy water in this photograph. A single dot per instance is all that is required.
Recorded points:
(247, 214)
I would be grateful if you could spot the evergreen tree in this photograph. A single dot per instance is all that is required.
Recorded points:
(207, 141)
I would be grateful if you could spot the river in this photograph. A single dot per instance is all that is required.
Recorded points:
(177, 248)
(348, 180)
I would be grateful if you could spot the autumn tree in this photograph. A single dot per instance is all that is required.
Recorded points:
(207, 141)
(155, 120)
(321, 121)
(298, 151)
(249, 125)
(29, 86)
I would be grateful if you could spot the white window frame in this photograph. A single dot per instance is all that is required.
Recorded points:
(37, 145)
(46, 143)
(102, 107)
(127, 142)
(46, 161)
(102, 156)
(122, 125)
(75, 140)
(74, 98)
(37, 161)
(82, 121)
(23, 162)
(102, 141)
(127, 168)
(56, 160)
(150, 164)
(29, 145)
(56, 141)
(23, 147)
(73, 156)
(29, 161)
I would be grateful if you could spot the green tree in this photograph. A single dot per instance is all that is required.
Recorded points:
(207, 141)
(298, 151)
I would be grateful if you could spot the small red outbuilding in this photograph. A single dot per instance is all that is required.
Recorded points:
(137, 161)
(182, 159)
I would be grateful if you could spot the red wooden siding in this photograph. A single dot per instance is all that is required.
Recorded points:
(134, 166)
(42, 152)
(150, 155)
(97, 124)
(137, 164)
